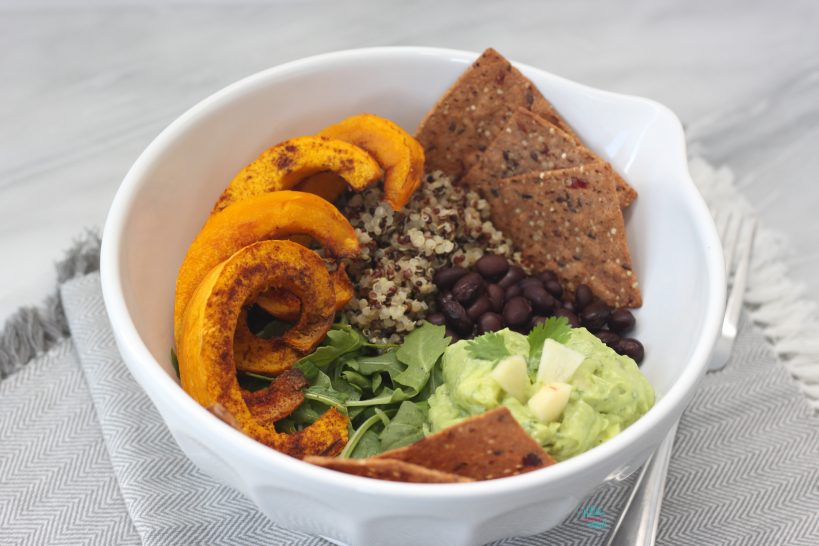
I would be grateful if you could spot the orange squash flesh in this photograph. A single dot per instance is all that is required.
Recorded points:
(286, 306)
(274, 215)
(398, 153)
(326, 185)
(207, 366)
(286, 164)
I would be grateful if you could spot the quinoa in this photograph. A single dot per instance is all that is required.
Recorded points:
(441, 226)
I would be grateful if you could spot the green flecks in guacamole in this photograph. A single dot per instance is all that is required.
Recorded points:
(608, 393)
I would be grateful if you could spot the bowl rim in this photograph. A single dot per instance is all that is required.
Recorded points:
(150, 372)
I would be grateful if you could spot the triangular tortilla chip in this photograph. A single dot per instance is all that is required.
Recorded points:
(531, 143)
(483, 447)
(474, 110)
(386, 469)
(569, 221)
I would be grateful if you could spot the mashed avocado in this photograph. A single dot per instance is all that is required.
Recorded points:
(608, 394)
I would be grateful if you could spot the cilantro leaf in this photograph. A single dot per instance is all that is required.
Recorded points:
(488, 347)
(556, 328)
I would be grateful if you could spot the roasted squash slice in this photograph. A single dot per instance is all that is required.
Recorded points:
(398, 153)
(285, 306)
(207, 365)
(286, 164)
(274, 215)
(326, 185)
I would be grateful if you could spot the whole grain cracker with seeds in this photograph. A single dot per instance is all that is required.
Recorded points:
(483, 447)
(532, 143)
(387, 469)
(474, 110)
(569, 221)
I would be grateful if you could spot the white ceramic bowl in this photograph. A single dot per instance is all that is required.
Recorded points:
(170, 190)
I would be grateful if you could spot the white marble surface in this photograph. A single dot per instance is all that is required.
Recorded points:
(85, 86)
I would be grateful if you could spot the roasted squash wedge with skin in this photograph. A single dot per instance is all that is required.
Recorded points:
(285, 306)
(398, 153)
(207, 367)
(326, 185)
(286, 164)
(274, 215)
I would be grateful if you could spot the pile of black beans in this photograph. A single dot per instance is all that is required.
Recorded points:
(497, 294)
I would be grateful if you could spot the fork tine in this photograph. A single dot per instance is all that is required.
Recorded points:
(730, 240)
(725, 344)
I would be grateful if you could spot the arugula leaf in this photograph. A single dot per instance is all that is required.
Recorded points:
(376, 382)
(357, 435)
(274, 328)
(384, 362)
(420, 351)
(340, 340)
(327, 396)
(406, 427)
(175, 363)
(556, 328)
(368, 445)
(489, 346)
(356, 379)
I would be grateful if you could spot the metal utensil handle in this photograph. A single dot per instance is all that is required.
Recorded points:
(638, 522)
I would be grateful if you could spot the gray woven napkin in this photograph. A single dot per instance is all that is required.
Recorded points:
(86, 459)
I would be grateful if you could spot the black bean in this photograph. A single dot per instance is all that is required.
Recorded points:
(570, 306)
(582, 296)
(492, 266)
(542, 301)
(630, 347)
(547, 276)
(479, 307)
(496, 297)
(436, 318)
(490, 322)
(609, 338)
(530, 281)
(512, 276)
(516, 311)
(444, 279)
(512, 292)
(468, 287)
(621, 321)
(452, 335)
(456, 317)
(595, 315)
(554, 288)
(537, 319)
(571, 317)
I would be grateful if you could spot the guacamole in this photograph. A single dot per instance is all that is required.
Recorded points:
(608, 393)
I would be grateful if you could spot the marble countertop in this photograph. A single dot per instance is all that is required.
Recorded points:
(87, 85)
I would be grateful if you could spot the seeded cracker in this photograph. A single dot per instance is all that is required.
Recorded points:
(483, 447)
(474, 110)
(386, 469)
(569, 221)
(531, 143)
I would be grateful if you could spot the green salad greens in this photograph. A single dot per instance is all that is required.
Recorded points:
(382, 388)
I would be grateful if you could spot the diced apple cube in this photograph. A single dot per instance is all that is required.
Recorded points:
(557, 362)
(548, 403)
(512, 375)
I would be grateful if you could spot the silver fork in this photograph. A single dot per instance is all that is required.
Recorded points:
(638, 521)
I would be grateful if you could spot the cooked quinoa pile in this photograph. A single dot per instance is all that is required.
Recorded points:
(442, 225)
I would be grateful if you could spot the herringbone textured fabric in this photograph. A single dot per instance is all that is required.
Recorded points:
(56, 481)
(745, 469)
